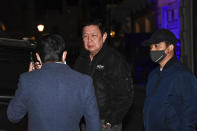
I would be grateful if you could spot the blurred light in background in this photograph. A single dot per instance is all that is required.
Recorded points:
(40, 27)
(112, 33)
(2, 27)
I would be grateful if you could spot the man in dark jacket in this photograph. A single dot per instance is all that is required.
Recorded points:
(171, 91)
(111, 76)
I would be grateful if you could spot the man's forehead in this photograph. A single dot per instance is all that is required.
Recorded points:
(91, 28)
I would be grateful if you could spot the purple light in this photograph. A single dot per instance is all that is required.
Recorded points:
(170, 19)
(178, 50)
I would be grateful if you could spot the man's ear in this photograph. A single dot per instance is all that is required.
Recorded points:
(38, 58)
(171, 47)
(104, 37)
(64, 56)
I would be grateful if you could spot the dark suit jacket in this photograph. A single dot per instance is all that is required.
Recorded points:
(55, 98)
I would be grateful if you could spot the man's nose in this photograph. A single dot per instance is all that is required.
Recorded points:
(152, 48)
(89, 38)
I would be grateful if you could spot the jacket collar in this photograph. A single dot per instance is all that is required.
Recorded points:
(169, 66)
(101, 53)
(170, 62)
(54, 65)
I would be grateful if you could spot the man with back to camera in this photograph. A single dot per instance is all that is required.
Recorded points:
(55, 96)
(111, 75)
(171, 91)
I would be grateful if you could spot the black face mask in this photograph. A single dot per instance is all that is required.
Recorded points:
(157, 56)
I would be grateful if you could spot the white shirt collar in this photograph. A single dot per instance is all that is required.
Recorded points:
(61, 62)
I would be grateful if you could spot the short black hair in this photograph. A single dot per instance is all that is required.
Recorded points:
(97, 22)
(51, 47)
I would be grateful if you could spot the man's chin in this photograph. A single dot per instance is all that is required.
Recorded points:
(91, 50)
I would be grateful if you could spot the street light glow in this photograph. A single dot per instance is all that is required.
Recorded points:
(40, 27)
(112, 33)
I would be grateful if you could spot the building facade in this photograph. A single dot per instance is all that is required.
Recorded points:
(168, 17)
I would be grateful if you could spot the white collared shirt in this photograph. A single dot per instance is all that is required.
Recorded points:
(61, 62)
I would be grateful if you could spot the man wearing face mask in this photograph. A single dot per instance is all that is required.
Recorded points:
(171, 90)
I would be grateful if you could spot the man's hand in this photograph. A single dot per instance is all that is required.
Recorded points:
(33, 66)
(106, 125)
